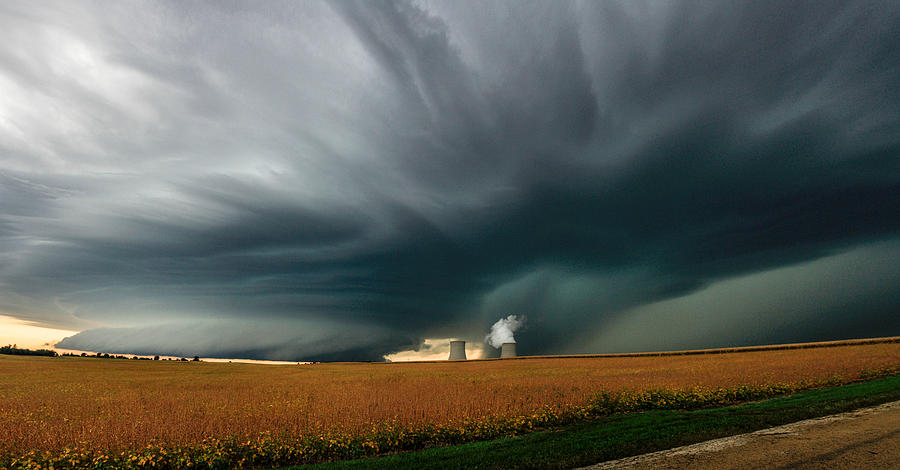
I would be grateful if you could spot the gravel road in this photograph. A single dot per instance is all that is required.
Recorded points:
(868, 438)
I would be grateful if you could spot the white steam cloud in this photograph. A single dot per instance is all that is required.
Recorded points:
(502, 331)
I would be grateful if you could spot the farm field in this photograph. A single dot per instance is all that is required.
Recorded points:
(49, 404)
(608, 438)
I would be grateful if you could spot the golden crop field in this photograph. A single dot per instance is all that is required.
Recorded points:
(107, 404)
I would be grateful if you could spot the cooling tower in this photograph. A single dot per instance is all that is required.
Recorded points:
(457, 351)
(508, 350)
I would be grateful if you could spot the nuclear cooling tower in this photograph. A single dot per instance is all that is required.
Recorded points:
(457, 351)
(508, 350)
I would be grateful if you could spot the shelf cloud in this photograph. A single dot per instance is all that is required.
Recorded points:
(342, 180)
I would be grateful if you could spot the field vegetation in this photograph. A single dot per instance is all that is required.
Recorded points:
(623, 435)
(147, 414)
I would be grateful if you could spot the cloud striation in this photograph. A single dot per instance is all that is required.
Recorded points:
(342, 180)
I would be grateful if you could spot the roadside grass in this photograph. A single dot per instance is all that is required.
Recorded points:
(622, 435)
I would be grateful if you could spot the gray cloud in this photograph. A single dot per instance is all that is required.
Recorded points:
(422, 169)
(851, 294)
(274, 340)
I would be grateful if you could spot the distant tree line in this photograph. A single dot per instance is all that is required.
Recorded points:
(15, 350)
(136, 358)
(12, 349)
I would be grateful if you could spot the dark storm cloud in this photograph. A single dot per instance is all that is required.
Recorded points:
(274, 340)
(343, 180)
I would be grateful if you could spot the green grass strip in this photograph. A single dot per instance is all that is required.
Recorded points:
(623, 435)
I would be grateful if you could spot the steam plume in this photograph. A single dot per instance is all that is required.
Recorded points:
(502, 331)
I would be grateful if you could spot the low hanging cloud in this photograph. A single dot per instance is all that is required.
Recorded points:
(272, 339)
(345, 180)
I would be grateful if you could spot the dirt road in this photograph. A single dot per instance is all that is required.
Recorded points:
(867, 438)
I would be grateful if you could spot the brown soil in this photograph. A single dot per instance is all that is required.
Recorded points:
(868, 438)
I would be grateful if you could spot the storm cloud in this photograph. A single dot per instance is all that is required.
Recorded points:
(343, 180)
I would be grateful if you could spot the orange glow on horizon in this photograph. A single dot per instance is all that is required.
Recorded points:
(435, 349)
(28, 335)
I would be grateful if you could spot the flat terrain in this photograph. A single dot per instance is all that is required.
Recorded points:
(867, 438)
(52, 403)
(618, 436)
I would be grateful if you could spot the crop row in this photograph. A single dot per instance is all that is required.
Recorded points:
(49, 404)
(267, 450)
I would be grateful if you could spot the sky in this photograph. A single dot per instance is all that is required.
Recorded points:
(347, 180)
